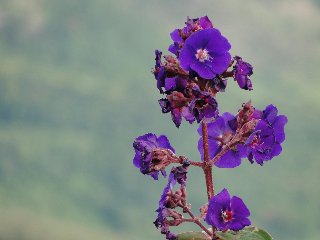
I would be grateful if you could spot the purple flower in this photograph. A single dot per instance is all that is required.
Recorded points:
(220, 132)
(180, 173)
(144, 146)
(241, 73)
(227, 213)
(180, 35)
(206, 53)
(177, 104)
(265, 142)
(203, 105)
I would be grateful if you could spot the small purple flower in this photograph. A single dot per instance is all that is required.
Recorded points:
(144, 146)
(180, 173)
(241, 73)
(227, 213)
(206, 52)
(220, 132)
(177, 104)
(265, 142)
(203, 105)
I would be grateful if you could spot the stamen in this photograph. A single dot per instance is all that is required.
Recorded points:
(203, 55)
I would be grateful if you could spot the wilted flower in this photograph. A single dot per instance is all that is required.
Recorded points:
(144, 147)
(241, 73)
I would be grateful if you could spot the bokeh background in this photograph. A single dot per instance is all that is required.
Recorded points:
(76, 88)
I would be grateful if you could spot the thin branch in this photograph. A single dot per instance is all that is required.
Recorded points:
(196, 221)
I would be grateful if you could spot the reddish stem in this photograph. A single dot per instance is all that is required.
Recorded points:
(207, 168)
(196, 221)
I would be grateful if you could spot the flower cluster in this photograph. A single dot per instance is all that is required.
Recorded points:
(198, 70)
(190, 80)
(170, 200)
(254, 135)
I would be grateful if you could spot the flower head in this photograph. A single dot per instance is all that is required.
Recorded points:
(226, 213)
(206, 53)
(144, 147)
(241, 73)
(265, 142)
(203, 105)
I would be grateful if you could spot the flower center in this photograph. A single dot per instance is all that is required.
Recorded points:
(227, 215)
(203, 55)
(256, 141)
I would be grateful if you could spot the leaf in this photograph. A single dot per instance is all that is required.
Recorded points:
(193, 236)
(249, 233)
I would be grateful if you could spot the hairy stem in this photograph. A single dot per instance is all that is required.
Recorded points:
(196, 221)
(207, 168)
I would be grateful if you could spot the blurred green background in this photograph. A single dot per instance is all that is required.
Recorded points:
(76, 88)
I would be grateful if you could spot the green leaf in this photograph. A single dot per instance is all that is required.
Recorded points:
(193, 236)
(249, 233)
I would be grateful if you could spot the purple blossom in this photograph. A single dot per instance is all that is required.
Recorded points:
(265, 142)
(180, 173)
(241, 73)
(203, 105)
(220, 132)
(227, 213)
(180, 35)
(206, 53)
(177, 104)
(144, 146)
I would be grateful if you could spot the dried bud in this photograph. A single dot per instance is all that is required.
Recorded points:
(245, 114)
(203, 211)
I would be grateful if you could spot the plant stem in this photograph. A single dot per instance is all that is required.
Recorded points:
(196, 221)
(207, 168)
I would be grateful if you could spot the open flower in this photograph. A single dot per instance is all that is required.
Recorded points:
(265, 142)
(220, 132)
(227, 213)
(206, 53)
(144, 147)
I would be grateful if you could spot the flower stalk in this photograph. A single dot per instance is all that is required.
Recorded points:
(207, 168)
